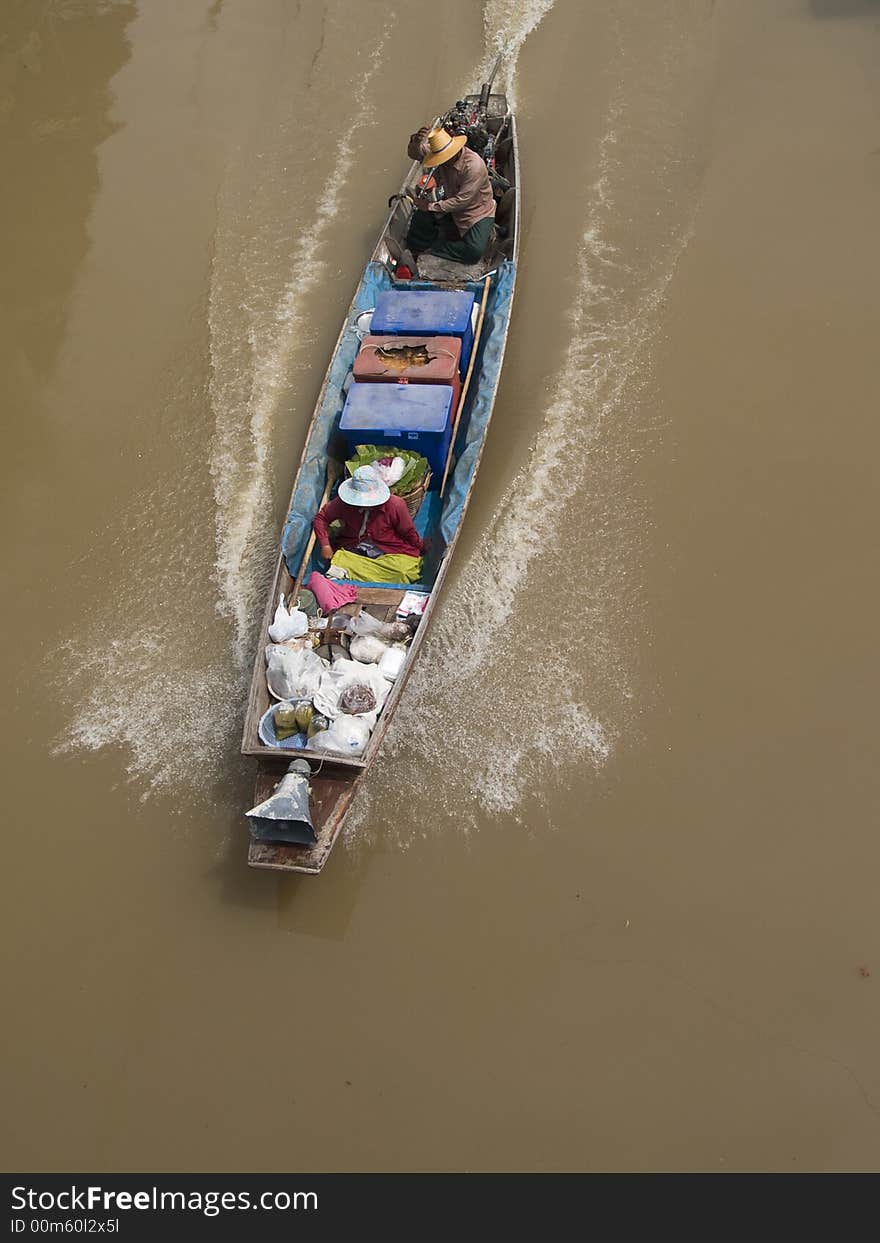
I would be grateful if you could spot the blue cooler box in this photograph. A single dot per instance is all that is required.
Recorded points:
(413, 416)
(426, 313)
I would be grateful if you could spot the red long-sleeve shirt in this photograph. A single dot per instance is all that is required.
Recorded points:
(389, 526)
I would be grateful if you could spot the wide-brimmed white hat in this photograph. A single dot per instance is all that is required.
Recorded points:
(364, 489)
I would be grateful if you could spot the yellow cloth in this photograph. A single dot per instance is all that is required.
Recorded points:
(391, 567)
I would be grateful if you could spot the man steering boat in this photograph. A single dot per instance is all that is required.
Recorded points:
(457, 226)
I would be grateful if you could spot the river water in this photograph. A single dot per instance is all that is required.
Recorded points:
(609, 899)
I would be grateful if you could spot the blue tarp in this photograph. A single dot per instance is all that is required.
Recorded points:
(312, 477)
(478, 409)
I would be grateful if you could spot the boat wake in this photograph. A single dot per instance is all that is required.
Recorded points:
(252, 356)
(175, 724)
(498, 694)
(525, 681)
(506, 26)
(521, 677)
(163, 695)
(152, 673)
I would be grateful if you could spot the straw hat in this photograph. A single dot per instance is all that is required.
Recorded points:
(442, 147)
(364, 489)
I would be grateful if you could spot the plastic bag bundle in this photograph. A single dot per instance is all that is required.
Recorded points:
(367, 648)
(348, 735)
(278, 727)
(287, 625)
(392, 661)
(366, 624)
(390, 469)
(343, 674)
(293, 674)
(317, 724)
(357, 698)
(285, 721)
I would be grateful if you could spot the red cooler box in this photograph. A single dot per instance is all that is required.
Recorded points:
(442, 365)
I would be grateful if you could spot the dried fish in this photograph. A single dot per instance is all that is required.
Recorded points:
(400, 357)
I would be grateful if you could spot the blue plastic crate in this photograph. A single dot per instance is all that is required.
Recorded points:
(413, 416)
(426, 313)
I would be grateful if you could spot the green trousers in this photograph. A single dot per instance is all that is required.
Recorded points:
(435, 232)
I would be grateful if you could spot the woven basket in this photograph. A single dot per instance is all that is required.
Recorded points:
(413, 500)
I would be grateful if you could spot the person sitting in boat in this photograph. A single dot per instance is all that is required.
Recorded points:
(459, 225)
(375, 538)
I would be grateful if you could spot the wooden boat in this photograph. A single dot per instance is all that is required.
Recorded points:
(335, 779)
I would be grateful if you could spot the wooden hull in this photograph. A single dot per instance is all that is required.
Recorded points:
(336, 779)
(329, 800)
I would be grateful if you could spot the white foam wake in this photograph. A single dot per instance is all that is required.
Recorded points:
(152, 673)
(502, 703)
(145, 693)
(506, 25)
(515, 689)
(527, 677)
(241, 472)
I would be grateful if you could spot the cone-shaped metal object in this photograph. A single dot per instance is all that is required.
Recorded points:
(284, 817)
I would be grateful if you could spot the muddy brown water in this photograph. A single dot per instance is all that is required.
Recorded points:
(609, 901)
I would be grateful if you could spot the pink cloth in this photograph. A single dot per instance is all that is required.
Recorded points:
(330, 595)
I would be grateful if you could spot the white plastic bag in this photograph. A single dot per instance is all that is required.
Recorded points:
(293, 674)
(287, 624)
(391, 473)
(348, 735)
(348, 673)
(366, 624)
(367, 648)
(392, 661)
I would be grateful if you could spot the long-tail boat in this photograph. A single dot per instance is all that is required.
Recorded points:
(336, 778)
